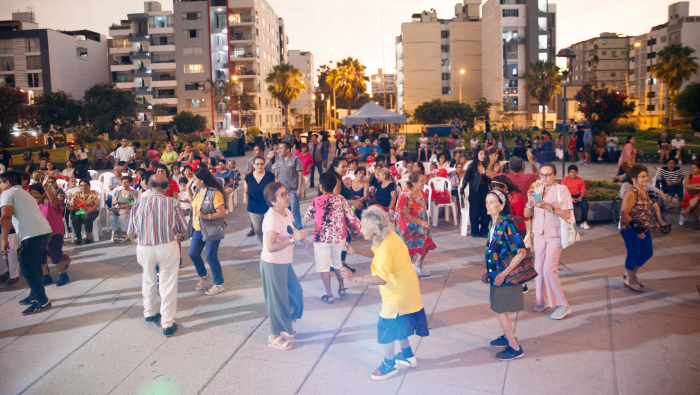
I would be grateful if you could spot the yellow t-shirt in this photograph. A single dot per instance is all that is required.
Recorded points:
(197, 204)
(167, 157)
(201, 147)
(392, 263)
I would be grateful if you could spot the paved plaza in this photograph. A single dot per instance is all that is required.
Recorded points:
(95, 341)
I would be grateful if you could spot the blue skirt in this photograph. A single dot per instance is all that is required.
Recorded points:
(401, 327)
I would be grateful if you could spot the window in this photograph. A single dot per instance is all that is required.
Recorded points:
(542, 23)
(191, 16)
(510, 34)
(163, 58)
(5, 46)
(542, 56)
(165, 40)
(651, 55)
(663, 39)
(81, 52)
(445, 90)
(613, 53)
(195, 86)
(31, 44)
(445, 34)
(510, 12)
(192, 51)
(511, 70)
(34, 80)
(604, 52)
(7, 80)
(445, 76)
(542, 5)
(195, 103)
(542, 41)
(34, 62)
(445, 62)
(166, 93)
(160, 21)
(613, 74)
(192, 33)
(194, 68)
(651, 107)
(445, 48)
(7, 63)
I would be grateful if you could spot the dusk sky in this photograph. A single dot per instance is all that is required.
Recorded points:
(354, 28)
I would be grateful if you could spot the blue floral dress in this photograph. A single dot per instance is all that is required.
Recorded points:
(416, 238)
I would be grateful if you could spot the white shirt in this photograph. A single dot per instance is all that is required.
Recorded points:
(26, 216)
(677, 143)
(82, 154)
(124, 154)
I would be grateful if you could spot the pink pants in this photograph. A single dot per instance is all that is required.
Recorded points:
(547, 252)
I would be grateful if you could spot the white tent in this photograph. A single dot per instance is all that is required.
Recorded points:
(373, 114)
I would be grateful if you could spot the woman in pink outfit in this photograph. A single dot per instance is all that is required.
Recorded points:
(306, 162)
(554, 203)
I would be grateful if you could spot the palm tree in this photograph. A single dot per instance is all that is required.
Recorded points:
(334, 81)
(676, 65)
(542, 83)
(353, 77)
(285, 83)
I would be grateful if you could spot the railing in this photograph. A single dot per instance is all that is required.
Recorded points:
(138, 35)
(251, 89)
(242, 36)
(243, 72)
(515, 40)
(137, 53)
(164, 78)
(169, 60)
(119, 27)
(242, 55)
(243, 19)
(165, 96)
(122, 63)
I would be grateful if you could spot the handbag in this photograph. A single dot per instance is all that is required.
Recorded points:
(524, 272)
(569, 231)
(212, 229)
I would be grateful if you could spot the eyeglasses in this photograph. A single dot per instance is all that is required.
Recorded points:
(283, 195)
(258, 164)
(546, 175)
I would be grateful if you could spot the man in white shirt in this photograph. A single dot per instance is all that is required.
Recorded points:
(125, 154)
(678, 143)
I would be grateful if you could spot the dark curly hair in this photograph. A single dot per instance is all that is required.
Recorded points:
(634, 172)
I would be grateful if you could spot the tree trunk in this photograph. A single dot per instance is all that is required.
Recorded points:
(334, 112)
(544, 117)
(661, 102)
(669, 108)
(289, 115)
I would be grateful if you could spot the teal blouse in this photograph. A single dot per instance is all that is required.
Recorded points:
(504, 241)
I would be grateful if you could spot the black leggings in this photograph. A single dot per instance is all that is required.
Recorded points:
(478, 217)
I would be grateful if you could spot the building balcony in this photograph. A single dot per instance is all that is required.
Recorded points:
(165, 100)
(243, 72)
(121, 50)
(161, 30)
(142, 91)
(119, 31)
(141, 15)
(242, 57)
(238, 37)
(121, 67)
(164, 83)
(239, 20)
(139, 37)
(162, 48)
(169, 65)
(142, 73)
(125, 85)
(251, 89)
(140, 55)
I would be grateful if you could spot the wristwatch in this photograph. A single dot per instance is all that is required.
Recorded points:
(551, 211)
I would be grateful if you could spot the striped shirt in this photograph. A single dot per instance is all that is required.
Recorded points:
(156, 219)
(674, 175)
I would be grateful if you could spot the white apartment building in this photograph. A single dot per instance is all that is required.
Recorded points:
(601, 61)
(236, 41)
(304, 105)
(646, 91)
(380, 81)
(142, 60)
(44, 60)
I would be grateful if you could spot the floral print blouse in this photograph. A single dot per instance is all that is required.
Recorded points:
(641, 211)
(330, 213)
(90, 199)
(504, 240)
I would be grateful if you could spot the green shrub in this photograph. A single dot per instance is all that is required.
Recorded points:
(254, 131)
(601, 196)
(602, 184)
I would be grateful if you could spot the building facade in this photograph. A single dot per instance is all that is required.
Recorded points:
(304, 105)
(44, 60)
(142, 61)
(234, 44)
(601, 61)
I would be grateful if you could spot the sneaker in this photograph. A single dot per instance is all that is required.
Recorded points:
(78, 242)
(539, 308)
(500, 342)
(425, 272)
(37, 307)
(525, 289)
(88, 241)
(509, 353)
(4, 277)
(383, 372)
(409, 362)
(26, 301)
(251, 233)
(585, 226)
(63, 279)
(418, 270)
(46, 278)
(167, 332)
(202, 281)
(155, 318)
(561, 312)
(682, 219)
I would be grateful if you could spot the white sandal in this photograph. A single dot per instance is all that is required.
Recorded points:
(202, 281)
(275, 343)
(215, 289)
(292, 336)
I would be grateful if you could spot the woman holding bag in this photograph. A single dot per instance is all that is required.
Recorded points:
(637, 218)
(549, 203)
(206, 227)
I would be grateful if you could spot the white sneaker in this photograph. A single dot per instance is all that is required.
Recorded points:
(585, 226)
(561, 312)
(418, 270)
(682, 219)
(539, 308)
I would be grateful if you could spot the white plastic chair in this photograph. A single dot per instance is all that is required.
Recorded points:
(97, 187)
(104, 178)
(93, 173)
(440, 184)
(428, 203)
(464, 209)
(62, 183)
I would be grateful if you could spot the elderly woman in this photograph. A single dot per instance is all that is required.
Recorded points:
(84, 208)
(504, 241)
(121, 207)
(402, 313)
(549, 203)
(412, 223)
(284, 298)
(385, 191)
(637, 219)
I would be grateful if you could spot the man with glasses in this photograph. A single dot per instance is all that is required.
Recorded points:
(290, 172)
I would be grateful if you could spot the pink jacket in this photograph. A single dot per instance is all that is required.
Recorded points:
(306, 161)
(548, 224)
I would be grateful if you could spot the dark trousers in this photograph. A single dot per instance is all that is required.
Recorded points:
(319, 167)
(638, 250)
(31, 255)
(583, 204)
(78, 221)
(478, 217)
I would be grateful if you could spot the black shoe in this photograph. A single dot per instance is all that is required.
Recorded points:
(26, 301)
(4, 277)
(36, 307)
(500, 342)
(509, 353)
(351, 269)
(475, 235)
(88, 241)
(525, 289)
(167, 332)
(47, 279)
(12, 281)
(251, 233)
(155, 318)
(484, 235)
(78, 242)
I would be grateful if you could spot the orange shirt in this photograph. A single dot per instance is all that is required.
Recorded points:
(575, 186)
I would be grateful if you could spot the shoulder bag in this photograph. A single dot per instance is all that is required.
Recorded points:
(212, 229)
(524, 272)
(569, 231)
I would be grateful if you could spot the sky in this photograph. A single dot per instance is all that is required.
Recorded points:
(333, 29)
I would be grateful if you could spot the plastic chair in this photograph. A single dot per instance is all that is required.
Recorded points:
(440, 184)
(93, 174)
(429, 191)
(94, 186)
(104, 178)
(464, 209)
(62, 184)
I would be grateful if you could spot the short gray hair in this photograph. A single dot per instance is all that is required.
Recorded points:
(516, 164)
(377, 221)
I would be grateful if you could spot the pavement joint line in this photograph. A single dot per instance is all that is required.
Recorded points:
(403, 377)
(616, 391)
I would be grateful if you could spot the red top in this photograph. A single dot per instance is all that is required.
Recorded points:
(517, 205)
(172, 187)
(575, 186)
(522, 180)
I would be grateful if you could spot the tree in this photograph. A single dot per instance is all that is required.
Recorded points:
(482, 108)
(12, 106)
(687, 102)
(188, 123)
(602, 107)
(675, 65)
(285, 84)
(352, 75)
(104, 107)
(542, 83)
(58, 110)
(439, 112)
(159, 110)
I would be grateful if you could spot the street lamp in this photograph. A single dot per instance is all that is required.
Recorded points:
(569, 55)
(461, 74)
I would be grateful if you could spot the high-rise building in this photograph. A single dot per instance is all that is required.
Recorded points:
(601, 61)
(432, 52)
(646, 91)
(234, 44)
(515, 34)
(44, 60)
(379, 82)
(142, 61)
(304, 105)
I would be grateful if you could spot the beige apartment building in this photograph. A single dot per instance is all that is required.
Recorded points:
(304, 105)
(601, 61)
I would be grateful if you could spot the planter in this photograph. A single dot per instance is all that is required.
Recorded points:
(597, 211)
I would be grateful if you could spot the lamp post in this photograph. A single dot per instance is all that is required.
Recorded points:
(461, 74)
(569, 55)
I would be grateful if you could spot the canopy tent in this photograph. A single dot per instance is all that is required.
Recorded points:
(373, 114)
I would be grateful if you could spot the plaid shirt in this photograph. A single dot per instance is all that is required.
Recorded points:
(156, 219)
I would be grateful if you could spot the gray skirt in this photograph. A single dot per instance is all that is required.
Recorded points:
(284, 298)
(507, 299)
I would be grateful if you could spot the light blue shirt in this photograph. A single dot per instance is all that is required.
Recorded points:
(26, 216)
(586, 136)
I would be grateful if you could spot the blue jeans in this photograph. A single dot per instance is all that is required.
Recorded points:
(316, 166)
(583, 204)
(294, 207)
(638, 250)
(195, 253)
(611, 153)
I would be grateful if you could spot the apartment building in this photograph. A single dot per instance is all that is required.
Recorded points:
(645, 91)
(516, 33)
(44, 60)
(236, 41)
(431, 54)
(304, 105)
(379, 82)
(601, 61)
(142, 61)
